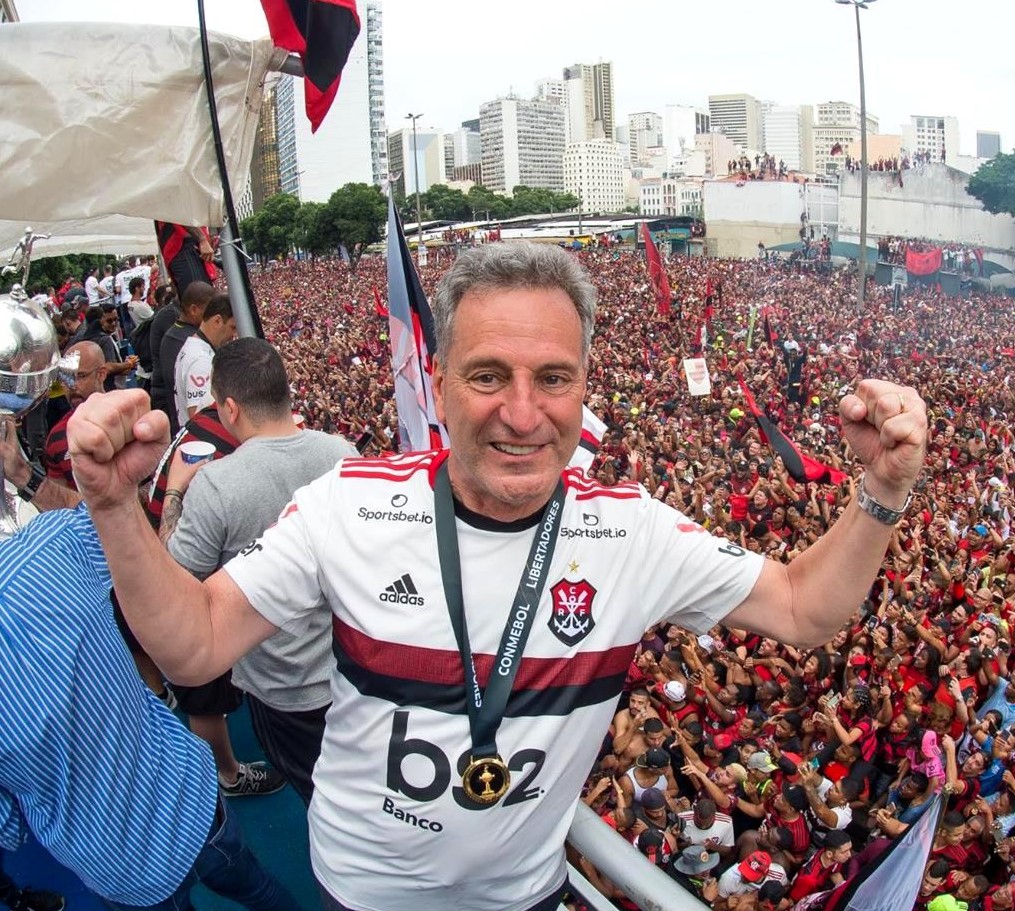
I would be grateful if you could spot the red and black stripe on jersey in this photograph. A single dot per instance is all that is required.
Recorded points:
(434, 678)
(55, 457)
(204, 427)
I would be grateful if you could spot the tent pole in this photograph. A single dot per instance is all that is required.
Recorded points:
(248, 322)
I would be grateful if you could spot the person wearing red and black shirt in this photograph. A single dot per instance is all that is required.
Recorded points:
(88, 379)
(823, 870)
(188, 254)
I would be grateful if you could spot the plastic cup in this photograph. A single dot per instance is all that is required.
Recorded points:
(196, 451)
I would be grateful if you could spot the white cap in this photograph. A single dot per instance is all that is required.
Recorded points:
(675, 690)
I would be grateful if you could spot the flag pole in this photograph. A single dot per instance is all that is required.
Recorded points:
(248, 322)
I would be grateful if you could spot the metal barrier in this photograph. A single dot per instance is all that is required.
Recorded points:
(646, 885)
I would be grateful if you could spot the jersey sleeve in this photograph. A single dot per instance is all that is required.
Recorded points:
(695, 579)
(279, 573)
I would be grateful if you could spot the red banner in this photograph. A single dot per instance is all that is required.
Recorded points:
(926, 263)
(656, 272)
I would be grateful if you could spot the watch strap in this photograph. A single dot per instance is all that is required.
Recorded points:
(31, 487)
(884, 514)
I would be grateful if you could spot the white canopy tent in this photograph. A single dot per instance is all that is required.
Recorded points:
(105, 128)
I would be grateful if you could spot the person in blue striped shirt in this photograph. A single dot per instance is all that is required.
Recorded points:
(104, 776)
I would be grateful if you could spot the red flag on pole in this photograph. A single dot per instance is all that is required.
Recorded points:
(656, 272)
(322, 32)
(379, 304)
(801, 467)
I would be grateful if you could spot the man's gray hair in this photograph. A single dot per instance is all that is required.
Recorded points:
(508, 266)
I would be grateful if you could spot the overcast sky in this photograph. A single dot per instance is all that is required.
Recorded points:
(446, 57)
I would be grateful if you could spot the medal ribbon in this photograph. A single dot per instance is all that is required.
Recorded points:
(486, 709)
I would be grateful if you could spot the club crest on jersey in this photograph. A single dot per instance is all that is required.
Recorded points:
(571, 619)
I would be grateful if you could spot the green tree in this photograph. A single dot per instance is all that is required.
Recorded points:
(356, 213)
(483, 201)
(314, 231)
(272, 231)
(443, 203)
(52, 271)
(994, 185)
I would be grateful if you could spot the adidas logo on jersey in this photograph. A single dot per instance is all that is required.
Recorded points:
(402, 591)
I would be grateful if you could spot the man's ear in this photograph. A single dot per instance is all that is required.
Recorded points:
(437, 382)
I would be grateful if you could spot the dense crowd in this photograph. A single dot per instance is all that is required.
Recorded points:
(755, 773)
(758, 774)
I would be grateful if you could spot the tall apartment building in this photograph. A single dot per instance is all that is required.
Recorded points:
(644, 131)
(681, 123)
(594, 172)
(351, 144)
(789, 135)
(424, 152)
(596, 99)
(988, 144)
(522, 143)
(739, 118)
(936, 135)
(836, 123)
(465, 144)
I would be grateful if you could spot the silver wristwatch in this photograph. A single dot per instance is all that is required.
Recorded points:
(878, 510)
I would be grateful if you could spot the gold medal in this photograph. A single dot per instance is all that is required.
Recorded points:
(487, 779)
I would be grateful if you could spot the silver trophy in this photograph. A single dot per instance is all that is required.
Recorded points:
(29, 359)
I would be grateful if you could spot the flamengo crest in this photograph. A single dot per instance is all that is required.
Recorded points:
(571, 619)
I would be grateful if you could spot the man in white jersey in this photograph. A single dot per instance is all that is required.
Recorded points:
(487, 602)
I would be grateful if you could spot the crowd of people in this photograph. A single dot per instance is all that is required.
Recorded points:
(918, 681)
(755, 773)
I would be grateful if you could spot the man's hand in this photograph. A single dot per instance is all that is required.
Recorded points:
(15, 468)
(181, 473)
(115, 441)
(886, 426)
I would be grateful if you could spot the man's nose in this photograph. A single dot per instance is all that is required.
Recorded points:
(520, 410)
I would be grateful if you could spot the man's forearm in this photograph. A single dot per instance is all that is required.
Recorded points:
(174, 627)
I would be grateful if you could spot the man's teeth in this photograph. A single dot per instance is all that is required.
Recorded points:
(515, 450)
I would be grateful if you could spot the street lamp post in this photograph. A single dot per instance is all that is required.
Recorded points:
(862, 261)
(415, 164)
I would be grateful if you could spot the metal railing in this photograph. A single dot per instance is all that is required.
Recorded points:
(646, 885)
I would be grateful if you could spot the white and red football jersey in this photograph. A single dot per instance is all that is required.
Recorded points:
(390, 825)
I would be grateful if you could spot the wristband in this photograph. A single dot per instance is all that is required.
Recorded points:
(31, 488)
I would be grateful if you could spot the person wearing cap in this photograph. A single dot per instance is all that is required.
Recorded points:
(786, 809)
(746, 876)
(650, 770)
(691, 870)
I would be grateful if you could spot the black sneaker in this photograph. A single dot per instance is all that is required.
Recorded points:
(37, 900)
(254, 779)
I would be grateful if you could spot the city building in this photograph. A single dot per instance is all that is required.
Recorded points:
(710, 156)
(836, 123)
(265, 177)
(644, 131)
(423, 152)
(681, 123)
(594, 172)
(879, 146)
(739, 118)
(350, 145)
(988, 144)
(595, 112)
(466, 145)
(522, 143)
(789, 135)
(937, 136)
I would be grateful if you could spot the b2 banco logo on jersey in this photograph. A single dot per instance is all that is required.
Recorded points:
(571, 617)
(400, 747)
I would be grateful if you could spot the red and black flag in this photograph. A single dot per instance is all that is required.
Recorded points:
(322, 32)
(836, 149)
(801, 467)
(656, 272)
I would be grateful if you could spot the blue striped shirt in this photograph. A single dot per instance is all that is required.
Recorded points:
(91, 763)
